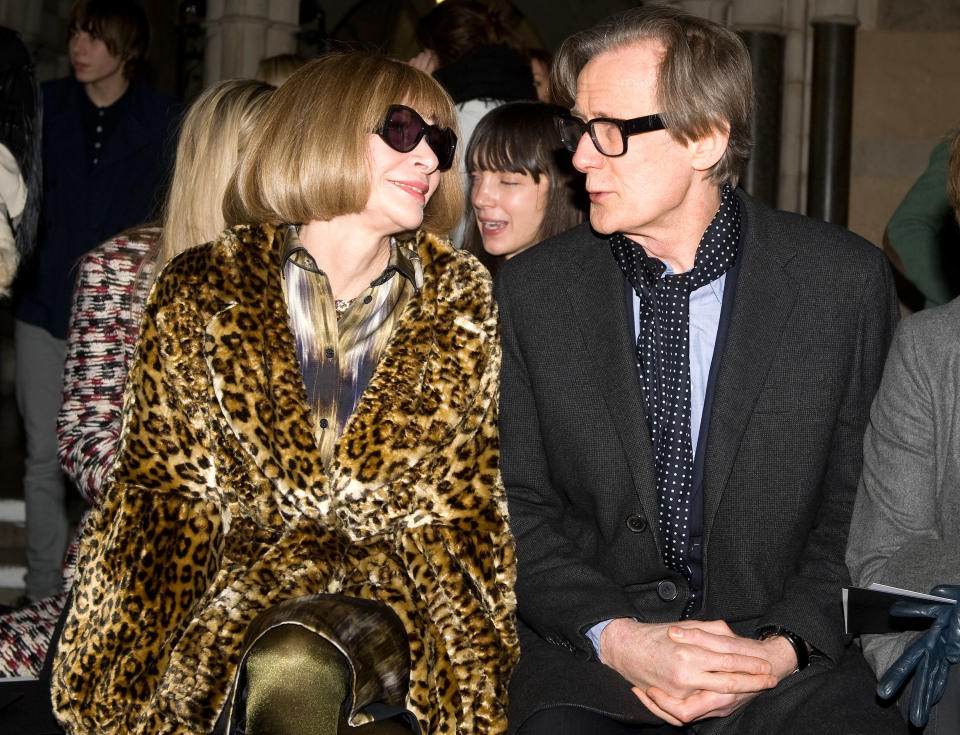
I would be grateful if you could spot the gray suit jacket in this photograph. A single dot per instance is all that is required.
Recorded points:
(906, 522)
(812, 317)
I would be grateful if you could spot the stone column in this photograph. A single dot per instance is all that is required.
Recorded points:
(761, 25)
(796, 97)
(715, 10)
(282, 28)
(241, 32)
(831, 111)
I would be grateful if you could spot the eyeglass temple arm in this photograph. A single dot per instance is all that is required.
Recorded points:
(644, 124)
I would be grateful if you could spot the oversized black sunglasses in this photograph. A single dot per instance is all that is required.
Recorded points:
(402, 129)
(608, 134)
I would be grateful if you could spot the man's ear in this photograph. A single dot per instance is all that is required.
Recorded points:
(709, 149)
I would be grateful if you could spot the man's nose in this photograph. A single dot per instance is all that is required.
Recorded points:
(586, 156)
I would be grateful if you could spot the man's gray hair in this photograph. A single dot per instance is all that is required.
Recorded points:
(704, 83)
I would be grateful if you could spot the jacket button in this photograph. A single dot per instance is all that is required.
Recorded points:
(667, 590)
(637, 523)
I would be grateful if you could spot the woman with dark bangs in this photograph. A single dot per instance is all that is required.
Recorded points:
(524, 187)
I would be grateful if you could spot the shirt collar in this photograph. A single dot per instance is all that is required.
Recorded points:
(403, 260)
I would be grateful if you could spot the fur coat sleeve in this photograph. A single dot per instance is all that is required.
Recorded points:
(218, 505)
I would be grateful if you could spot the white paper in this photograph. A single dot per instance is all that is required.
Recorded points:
(907, 593)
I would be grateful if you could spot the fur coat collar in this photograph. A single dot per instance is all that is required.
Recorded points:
(218, 505)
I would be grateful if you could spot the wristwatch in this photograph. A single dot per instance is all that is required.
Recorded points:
(800, 646)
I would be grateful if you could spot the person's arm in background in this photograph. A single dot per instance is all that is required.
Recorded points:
(104, 324)
(921, 231)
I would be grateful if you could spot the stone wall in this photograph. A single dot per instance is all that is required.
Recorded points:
(907, 97)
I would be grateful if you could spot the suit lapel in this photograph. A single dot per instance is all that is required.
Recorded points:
(598, 303)
(764, 298)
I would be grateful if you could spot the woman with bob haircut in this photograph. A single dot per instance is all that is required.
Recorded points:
(524, 187)
(305, 530)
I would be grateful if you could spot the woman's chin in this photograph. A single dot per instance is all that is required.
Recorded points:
(504, 250)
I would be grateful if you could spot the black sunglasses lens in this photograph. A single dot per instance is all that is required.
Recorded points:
(443, 143)
(401, 129)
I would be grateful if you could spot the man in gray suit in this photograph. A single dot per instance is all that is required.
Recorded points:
(906, 521)
(684, 391)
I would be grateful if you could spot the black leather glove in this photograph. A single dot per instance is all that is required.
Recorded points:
(929, 657)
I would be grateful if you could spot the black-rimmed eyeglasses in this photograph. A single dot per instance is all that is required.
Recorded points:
(608, 134)
(402, 129)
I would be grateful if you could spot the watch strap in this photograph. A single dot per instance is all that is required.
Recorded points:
(799, 645)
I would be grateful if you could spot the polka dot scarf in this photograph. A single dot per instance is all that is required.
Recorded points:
(663, 360)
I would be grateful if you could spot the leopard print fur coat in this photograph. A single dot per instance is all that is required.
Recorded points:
(218, 506)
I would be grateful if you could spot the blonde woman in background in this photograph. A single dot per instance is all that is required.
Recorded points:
(276, 70)
(115, 277)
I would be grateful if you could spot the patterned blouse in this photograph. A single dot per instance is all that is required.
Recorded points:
(338, 352)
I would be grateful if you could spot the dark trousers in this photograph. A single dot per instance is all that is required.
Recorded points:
(25, 706)
(578, 721)
(945, 716)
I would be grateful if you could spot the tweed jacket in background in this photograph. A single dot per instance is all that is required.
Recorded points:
(103, 330)
(218, 506)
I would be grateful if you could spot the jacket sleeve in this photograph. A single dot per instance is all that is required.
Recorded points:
(471, 550)
(810, 605)
(897, 535)
(153, 545)
(100, 338)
